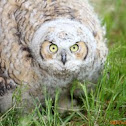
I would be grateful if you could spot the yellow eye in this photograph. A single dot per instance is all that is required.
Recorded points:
(53, 48)
(74, 48)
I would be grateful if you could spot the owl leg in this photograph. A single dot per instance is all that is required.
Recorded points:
(80, 92)
(66, 104)
(6, 92)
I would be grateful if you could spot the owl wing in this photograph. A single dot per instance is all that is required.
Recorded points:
(14, 58)
(21, 19)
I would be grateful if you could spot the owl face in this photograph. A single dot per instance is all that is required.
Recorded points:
(63, 47)
(63, 55)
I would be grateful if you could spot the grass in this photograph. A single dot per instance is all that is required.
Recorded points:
(108, 102)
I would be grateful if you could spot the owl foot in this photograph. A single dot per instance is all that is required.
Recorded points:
(66, 104)
(6, 85)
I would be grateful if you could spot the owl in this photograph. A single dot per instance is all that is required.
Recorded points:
(48, 44)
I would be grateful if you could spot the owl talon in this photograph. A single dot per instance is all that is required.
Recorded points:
(2, 86)
(10, 84)
(6, 85)
(1, 93)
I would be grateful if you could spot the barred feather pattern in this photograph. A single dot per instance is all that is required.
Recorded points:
(19, 21)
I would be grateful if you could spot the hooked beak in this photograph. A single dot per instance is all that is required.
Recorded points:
(63, 57)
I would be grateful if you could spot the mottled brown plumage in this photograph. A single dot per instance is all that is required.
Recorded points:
(29, 27)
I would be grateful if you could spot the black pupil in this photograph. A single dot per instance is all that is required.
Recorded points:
(74, 47)
(53, 48)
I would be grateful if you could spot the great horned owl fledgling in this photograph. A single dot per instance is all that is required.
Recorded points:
(48, 43)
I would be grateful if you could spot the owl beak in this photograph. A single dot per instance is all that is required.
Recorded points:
(63, 57)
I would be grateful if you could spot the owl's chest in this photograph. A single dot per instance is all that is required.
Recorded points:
(50, 85)
(57, 81)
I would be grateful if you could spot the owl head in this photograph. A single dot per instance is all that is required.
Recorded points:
(64, 47)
